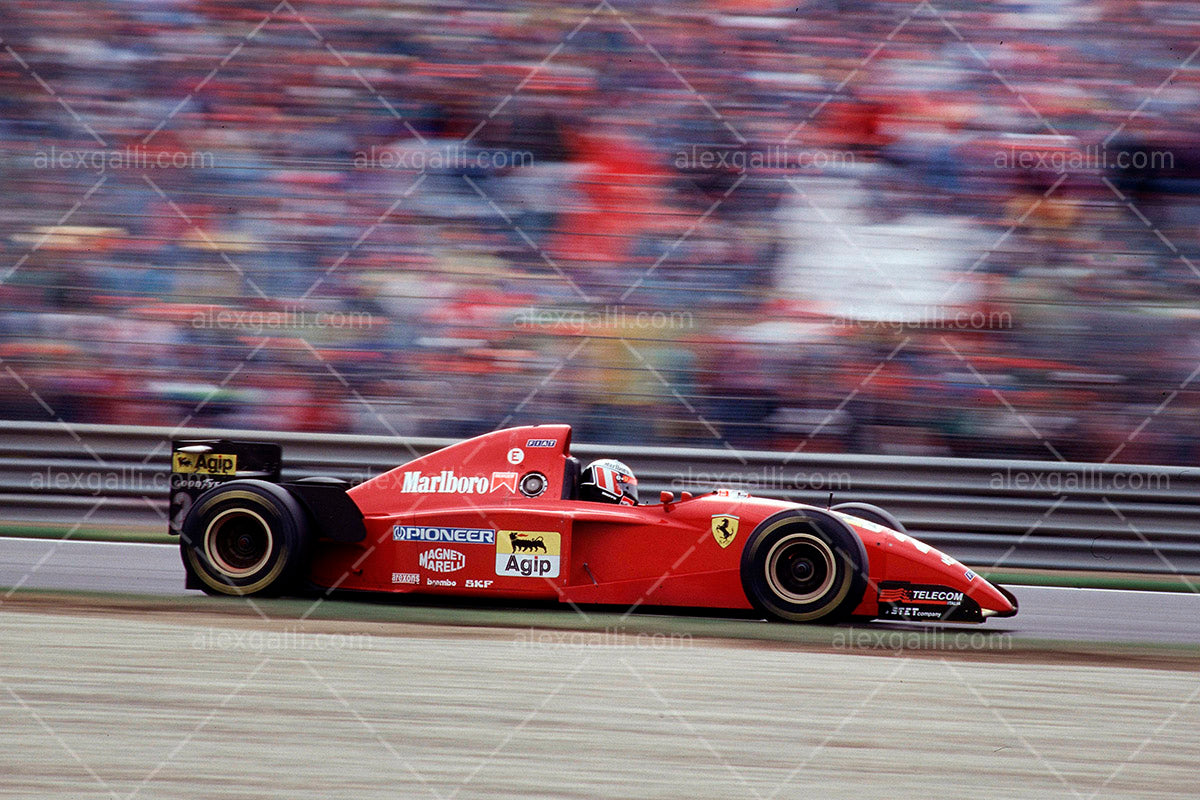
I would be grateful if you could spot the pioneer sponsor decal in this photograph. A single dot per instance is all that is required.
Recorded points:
(445, 482)
(204, 463)
(442, 559)
(406, 577)
(420, 533)
(528, 554)
(900, 600)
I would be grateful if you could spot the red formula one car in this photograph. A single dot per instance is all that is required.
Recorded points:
(512, 515)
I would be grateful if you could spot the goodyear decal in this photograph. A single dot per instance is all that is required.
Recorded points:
(204, 463)
(528, 554)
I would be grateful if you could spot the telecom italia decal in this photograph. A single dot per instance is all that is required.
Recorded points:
(528, 554)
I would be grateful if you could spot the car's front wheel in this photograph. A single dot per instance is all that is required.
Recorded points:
(804, 569)
(245, 537)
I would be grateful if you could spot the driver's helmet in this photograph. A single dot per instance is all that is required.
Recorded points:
(608, 481)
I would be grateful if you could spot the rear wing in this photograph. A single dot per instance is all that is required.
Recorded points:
(198, 465)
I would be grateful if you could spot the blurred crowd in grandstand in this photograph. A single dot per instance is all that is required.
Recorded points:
(958, 228)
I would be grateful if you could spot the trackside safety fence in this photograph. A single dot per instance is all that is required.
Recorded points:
(990, 514)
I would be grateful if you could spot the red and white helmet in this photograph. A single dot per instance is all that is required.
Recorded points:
(609, 481)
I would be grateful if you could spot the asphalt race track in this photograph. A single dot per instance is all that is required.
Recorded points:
(199, 705)
(1046, 612)
(155, 695)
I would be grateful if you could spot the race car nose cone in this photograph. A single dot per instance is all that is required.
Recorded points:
(1002, 604)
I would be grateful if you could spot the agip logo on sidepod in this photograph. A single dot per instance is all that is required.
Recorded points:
(528, 554)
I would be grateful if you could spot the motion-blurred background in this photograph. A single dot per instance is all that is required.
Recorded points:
(958, 228)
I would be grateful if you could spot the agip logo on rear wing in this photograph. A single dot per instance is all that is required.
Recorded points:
(204, 463)
(198, 465)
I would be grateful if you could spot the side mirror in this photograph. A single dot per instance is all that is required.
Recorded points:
(666, 498)
(685, 495)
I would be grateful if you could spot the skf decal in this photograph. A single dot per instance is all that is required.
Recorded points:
(204, 463)
(724, 528)
(504, 480)
(442, 559)
(406, 577)
(417, 533)
(472, 583)
(528, 554)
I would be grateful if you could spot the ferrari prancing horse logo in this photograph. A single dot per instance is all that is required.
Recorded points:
(724, 528)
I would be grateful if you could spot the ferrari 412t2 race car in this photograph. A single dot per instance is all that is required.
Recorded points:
(513, 515)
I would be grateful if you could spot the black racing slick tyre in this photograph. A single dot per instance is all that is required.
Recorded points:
(872, 513)
(246, 537)
(804, 568)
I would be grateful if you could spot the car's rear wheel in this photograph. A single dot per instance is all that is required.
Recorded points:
(245, 538)
(804, 569)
